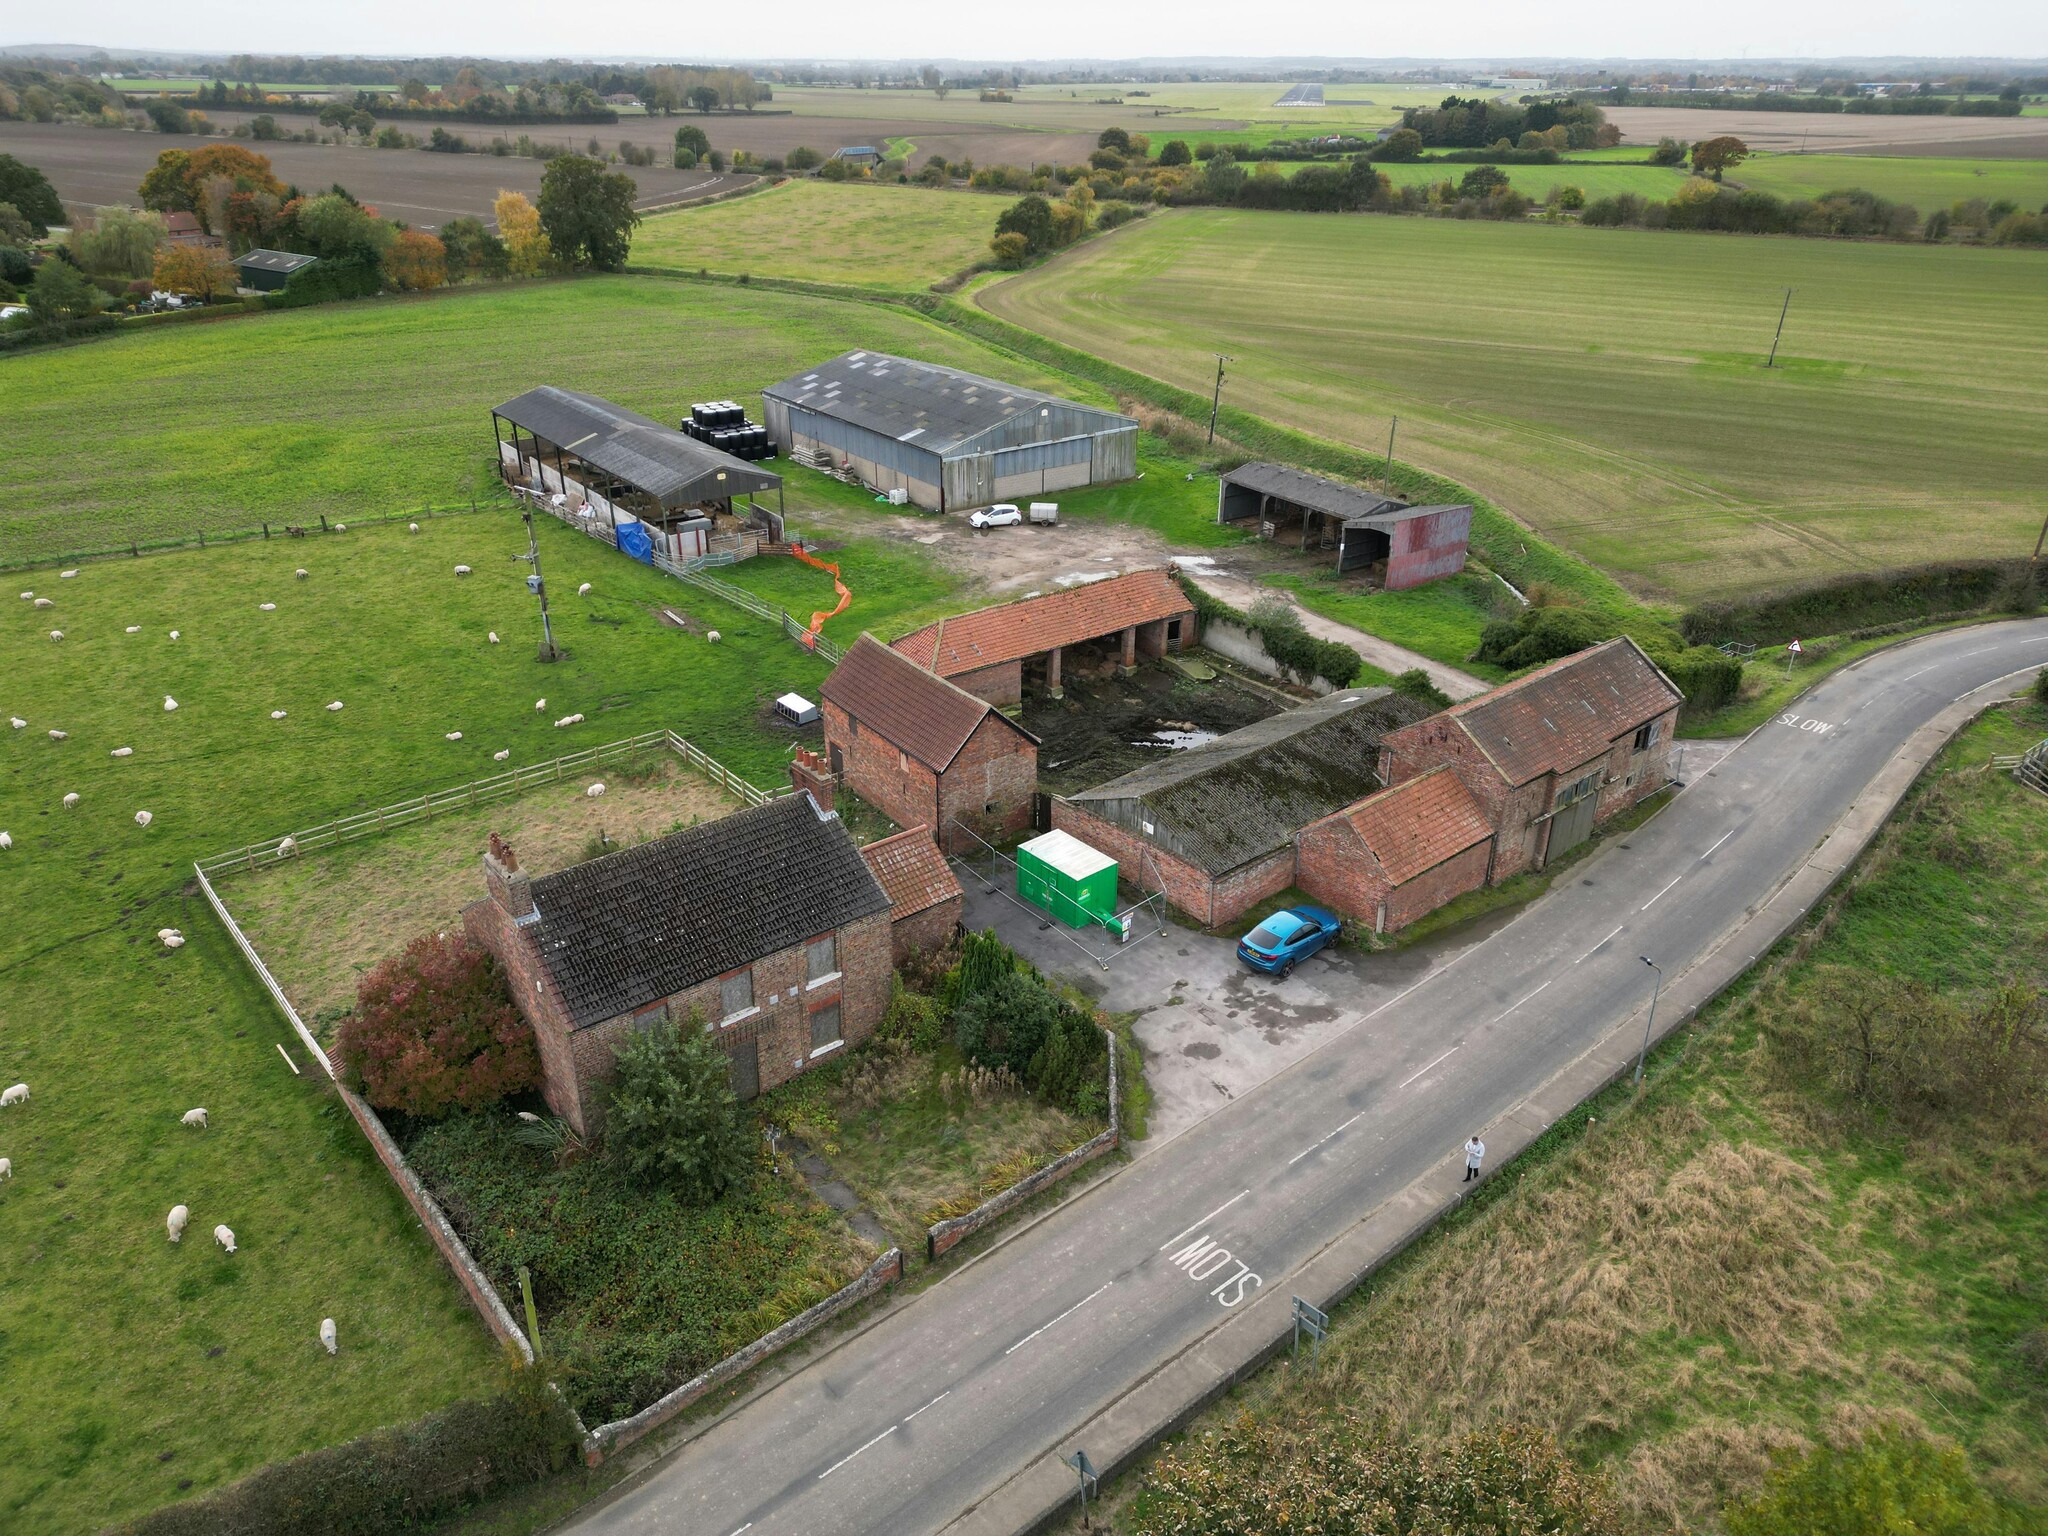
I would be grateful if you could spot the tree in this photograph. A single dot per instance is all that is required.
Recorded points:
(1403, 144)
(692, 138)
(1712, 157)
(336, 228)
(1669, 151)
(671, 1117)
(1114, 138)
(472, 250)
(29, 190)
(1069, 223)
(1222, 177)
(1175, 152)
(264, 127)
(62, 292)
(16, 233)
(704, 98)
(526, 243)
(415, 261)
(1887, 1486)
(1482, 181)
(587, 212)
(194, 272)
(120, 243)
(167, 116)
(1010, 251)
(802, 158)
(435, 1029)
(1030, 217)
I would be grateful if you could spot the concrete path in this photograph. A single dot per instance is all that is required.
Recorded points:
(1241, 593)
(1098, 1325)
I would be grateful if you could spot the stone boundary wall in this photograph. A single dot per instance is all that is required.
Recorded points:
(620, 1433)
(941, 1236)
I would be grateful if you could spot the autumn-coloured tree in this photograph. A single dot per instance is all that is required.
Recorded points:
(435, 1029)
(416, 260)
(178, 181)
(1711, 157)
(195, 272)
(526, 244)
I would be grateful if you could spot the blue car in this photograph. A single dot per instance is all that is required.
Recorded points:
(1286, 939)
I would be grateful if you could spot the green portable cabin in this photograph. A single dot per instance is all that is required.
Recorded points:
(1075, 883)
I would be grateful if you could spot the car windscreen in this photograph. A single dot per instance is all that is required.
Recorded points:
(1263, 937)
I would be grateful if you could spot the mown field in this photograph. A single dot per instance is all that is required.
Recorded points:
(1745, 1261)
(1927, 182)
(1597, 180)
(871, 236)
(140, 1370)
(1607, 386)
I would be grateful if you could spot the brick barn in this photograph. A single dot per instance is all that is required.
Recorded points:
(767, 924)
(1552, 755)
(924, 751)
(1404, 546)
(924, 894)
(995, 653)
(1214, 826)
(1399, 854)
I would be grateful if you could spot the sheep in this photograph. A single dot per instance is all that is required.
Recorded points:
(26, 596)
(133, 629)
(60, 735)
(494, 637)
(454, 736)
(300, 573)
(17, 722)
(46, 602)
(143, 818)
(122, 752)
(594, 791)
(18, 1094)
(327, 1335)
(6, 1168)
(70, 800)
(713, 636)
(341, 527)
(66, 575)
(277, 714)
(175, 1222)
(193, 1117)
(462, 570)
(499, 757)
(225, 1236)
(170, 705)
(6, 841)
(287, 847)
(584, 590)
(335, 707)
(412, 527)
(164, 933)
(568, 720)
(175, 941)
(56, 634)
(174, 634)
(267, 607)
(539, 705)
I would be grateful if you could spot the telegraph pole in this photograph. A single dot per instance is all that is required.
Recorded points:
(539, 589)
(1772, 361)
(1216, 400)
(1391, 425)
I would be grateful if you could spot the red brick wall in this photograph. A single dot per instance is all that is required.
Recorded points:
(1001, 685)
(894, 783)
(925, 931)
(1144, 865)
(1335, 866)
(808, 772)
(491, 926)
(1433, 887)
(997, 768)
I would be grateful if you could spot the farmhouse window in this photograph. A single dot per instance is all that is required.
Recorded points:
(825, 1028)
(736, 993)
(1646, 737)
(1578, 789)
(821, 958)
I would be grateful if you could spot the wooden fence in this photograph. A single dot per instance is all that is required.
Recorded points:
(462, 797)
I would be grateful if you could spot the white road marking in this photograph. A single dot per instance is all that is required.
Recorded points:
(1304, 1152)
(1447, 1055)
(1911, 675)
(1184, 1231)
(842, 1461)
(1660, 895)
(1601, 945)
(747, 1527)
(1723, 838)
(932, 1404)
(1511, 1007)
(1034, 1333)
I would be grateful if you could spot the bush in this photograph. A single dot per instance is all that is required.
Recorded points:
(1887, 1486)
(1415, 684)
(1538, 635)
(1071, 1069)
(2041, 686)
(912, 1018)
(800, 159)
(1281, 632)
(671, 1117)
(1843, 603)
(435, 1029)
(1010, 250)
(328, 280)
(1005, 1023)
(391, 1479)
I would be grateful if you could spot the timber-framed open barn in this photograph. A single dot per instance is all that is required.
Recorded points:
(603, 464)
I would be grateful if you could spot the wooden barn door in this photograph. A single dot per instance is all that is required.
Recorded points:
(746, 1069)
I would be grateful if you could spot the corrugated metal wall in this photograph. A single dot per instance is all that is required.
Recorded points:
(1425, 548)
(1048, 423)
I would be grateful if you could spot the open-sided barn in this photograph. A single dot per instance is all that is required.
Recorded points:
(946, 439)
(1408, 545)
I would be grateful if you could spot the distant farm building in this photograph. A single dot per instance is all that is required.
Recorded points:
(1404, 546)
(644, 487)
(942, 438)
(866, 156)
(268, 271)
(995, 653)
(182, 228)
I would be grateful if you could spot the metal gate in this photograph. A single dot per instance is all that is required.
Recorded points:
(1572, 823)
(1041, 812)
(746, 1069)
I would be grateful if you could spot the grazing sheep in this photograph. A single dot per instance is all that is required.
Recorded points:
(164, 933)
(462, 570)
(287, 847)
(60, 735)
(193, 1117)
(70, 800)
(175, 1222)
(134, 629)
(594, 791)
(568, 720)
(454, 736)
(494, 637)
(174, 634)
(6, 1167)
(327, 1335)
(277, 714)
(66, 575)
(539, 705)
(122, 752)
(26, 596)
(143, 818)
(56, 634)
(334, 707)
(175, 941)
(412, 527)
(6, 840)
(267, 607)
(713, 636)
(300, 573)
(584, 590)
(225, 1236)
(170, 704)
(18, 1094)
(499, 757)
(46, 602)
(17, 722)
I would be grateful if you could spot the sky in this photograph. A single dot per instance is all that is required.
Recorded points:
(1050, 29)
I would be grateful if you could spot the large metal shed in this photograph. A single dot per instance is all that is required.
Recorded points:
(1409, 545)
(946, 439)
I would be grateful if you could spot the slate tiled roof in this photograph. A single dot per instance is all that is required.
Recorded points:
(1415, 826)
(1316, 492)
(1010, 631)
(913, 872)
(624, 930)
(1246, 794)
(912, 709)
(1562, 714)
(659, 460)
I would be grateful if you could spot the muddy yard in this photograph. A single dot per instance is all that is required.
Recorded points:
(1107, 725)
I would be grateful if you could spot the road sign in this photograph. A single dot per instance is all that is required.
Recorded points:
(1313, 1321)
(1085, 1470)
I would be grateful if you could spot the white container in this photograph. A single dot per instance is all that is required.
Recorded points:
(1045, 512)
(796, 709)
(898, 497)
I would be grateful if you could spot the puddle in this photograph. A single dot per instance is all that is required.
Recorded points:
(1177, 741)
(1202, 1050)
(1083, 578)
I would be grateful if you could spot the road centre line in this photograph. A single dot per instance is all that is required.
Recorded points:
(933, 1403)
(1589, 954)
(1511, 1007)
(1034, 1333)
(1304, 1152)
(1723, 838)
(1184, 1231)
(747, 1527)
(842, 1461)
(1660, 895)
(1447, 1055)
(1911, 675)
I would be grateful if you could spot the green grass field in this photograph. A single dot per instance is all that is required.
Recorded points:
(1607, 386)
(1607, 180)
(866, 235)
(109, 1329)
(1927, 182)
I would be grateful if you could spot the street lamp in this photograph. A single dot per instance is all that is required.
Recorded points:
(1651, 1022)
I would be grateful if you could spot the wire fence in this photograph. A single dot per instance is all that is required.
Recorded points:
(15, 559)
(462, 797)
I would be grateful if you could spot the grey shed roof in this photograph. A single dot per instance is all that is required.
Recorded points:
(286, 262)
(639, 925)
(668, 466)
(1233, 799)
(1312, 491)
(934, 408)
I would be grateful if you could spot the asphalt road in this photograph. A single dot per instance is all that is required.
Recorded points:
(910, 1422)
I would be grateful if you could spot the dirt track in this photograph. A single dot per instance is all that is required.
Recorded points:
(2022, 138)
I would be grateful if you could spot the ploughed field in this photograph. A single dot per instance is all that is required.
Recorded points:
(1608, 386)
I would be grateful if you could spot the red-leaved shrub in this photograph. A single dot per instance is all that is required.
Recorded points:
(435, 1029)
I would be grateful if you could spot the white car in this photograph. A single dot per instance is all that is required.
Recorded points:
(1003, 514)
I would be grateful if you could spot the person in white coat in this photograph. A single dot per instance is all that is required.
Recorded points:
(1475, 1154)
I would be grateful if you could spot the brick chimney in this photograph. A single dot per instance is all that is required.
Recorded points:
(809, 771)
(510, 886)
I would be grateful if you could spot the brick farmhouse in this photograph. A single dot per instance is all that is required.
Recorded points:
(994, 653)
(923, 751)
(768, 925)
(1552, 755)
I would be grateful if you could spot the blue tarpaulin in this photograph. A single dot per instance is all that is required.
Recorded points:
(634, 541)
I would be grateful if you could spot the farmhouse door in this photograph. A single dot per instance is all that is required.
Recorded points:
(1573, 825)
(746, 1069)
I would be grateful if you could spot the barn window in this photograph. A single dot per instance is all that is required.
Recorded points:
(736, 994)
(1646, 738)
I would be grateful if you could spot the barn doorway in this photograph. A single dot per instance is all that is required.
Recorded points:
(746, 1069)
(1572, 823)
